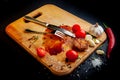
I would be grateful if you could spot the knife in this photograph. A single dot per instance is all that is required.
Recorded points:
(50, 26)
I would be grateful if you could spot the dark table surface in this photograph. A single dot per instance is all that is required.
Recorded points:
(17, 64)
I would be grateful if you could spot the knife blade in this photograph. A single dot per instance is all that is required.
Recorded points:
(50, 26)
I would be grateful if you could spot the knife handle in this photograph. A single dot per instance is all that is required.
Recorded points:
(51, 26)
(35, 21)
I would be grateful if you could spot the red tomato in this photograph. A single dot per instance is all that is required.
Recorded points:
(80, 34)
(71, 55)
(76, 27)
(41, 52)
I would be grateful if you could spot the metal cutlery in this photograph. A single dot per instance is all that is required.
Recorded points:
(58, 31)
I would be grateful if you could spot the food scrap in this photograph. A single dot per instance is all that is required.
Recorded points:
(96, 41)
(100, 52)
(90, 40)
(41, 52)
(33, 39)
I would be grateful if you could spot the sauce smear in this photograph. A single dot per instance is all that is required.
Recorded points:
(52, 43)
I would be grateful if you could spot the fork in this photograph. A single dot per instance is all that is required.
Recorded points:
(55, 32)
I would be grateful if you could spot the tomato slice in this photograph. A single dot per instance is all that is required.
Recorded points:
(41, 52)
(71, 55)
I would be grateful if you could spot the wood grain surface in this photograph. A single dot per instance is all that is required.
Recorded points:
(51, 14)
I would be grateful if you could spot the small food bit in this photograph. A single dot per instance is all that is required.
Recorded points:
(97, 62)
(88, 36)
(41, 52)
(96, 41)
(90, 40)
(78, 75)
(33, 39)
(91, 43)
(68, 65)
(50, 65)
(96, 30)
(100, 52)
(62, 67)
(80, 44)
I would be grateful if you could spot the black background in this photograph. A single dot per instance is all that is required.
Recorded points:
(15, 63)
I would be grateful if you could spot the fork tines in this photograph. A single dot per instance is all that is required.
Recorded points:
(59, 33)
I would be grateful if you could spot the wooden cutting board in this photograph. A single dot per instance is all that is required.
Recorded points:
(51, 14)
